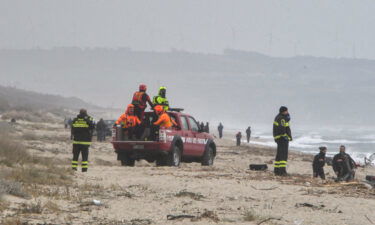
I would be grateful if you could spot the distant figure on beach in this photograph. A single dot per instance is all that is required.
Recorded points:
(220, 129)
(201, 126)
(248, 134)
(343, 165)
(13, 120)
(207, 128)
(282, 135)
(319, 162)
(101, 129)
(238, 137)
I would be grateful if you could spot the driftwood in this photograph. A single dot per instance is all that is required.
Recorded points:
(265, 189)
(268, 219)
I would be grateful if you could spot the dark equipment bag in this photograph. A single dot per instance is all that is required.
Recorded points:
(258, 167)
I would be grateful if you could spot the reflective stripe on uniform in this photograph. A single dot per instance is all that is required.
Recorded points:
(283, 135)
(84, 164)
(280, 164)
(81, 143)
(276, 123)
(80, 125)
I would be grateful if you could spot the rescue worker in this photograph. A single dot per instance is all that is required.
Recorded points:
(282, 135)
(248, 134)
(161, 99)
(238, 137)
(164, 120)
(140, 100)
(207, 128)
(81, 133)
(220, 129)
(343, 165)
(319, 163)
(101, 129)
(129, 122)
(201, 127)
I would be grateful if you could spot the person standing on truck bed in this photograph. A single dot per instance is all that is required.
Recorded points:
(282, 135)
(161, 99)
(140, 100)
(164, 120)
(129, 122)
(81, 133)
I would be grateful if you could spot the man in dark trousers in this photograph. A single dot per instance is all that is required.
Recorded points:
(248, 134)
(238, 137)
(343, 165)
(101, 129)
(220, 129)
(319, 162)
(282, 135)
(82, 129)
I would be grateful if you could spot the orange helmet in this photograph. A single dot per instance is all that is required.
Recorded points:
(130, 108)
(142, 87)
(159, 109)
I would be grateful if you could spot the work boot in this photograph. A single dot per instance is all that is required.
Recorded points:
(84, 170)
(75, 169)
(276, 171)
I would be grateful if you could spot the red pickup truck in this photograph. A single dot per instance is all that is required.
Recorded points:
(168, 147)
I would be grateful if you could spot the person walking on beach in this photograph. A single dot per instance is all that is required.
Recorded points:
(238, 137)
(220, 129)
(248, 134)
(343, 165)
(282, 135)
(319, 162)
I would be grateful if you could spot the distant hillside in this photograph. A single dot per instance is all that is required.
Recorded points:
(237, 87)
(21, 99)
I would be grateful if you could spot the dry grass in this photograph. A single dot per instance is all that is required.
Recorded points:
(250, 215)
(12, 221)
(102, 162)
(192, 195)
(52, 207)
(28, 115)
(12, 188)
(31, 208)
(11, 151)
(43, 176)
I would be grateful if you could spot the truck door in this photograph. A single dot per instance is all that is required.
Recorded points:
(186, 135)
(198, 140)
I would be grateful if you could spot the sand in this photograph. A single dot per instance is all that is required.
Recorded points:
(226, 193)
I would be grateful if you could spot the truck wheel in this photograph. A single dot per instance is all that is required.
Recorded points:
(174, 157)
(126, 160)
(208, 157)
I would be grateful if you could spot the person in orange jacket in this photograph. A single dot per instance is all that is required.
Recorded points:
(164, 120)
(140, 100)
(128, 121)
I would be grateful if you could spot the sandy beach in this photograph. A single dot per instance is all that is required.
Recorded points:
(226, 193)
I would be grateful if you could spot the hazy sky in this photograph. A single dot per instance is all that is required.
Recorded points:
(333, 28)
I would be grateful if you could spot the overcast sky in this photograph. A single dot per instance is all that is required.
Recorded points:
(332, 28)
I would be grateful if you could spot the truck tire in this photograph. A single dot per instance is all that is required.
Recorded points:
(174, 157)
(126, 160)
(208, 157)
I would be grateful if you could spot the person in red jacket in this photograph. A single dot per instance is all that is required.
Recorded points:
(140, 100)
(129, 122)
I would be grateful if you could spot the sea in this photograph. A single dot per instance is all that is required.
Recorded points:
(359, 141)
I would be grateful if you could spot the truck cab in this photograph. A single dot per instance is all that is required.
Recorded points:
(167, 147)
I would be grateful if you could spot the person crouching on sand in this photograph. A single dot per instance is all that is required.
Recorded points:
(319, 163)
